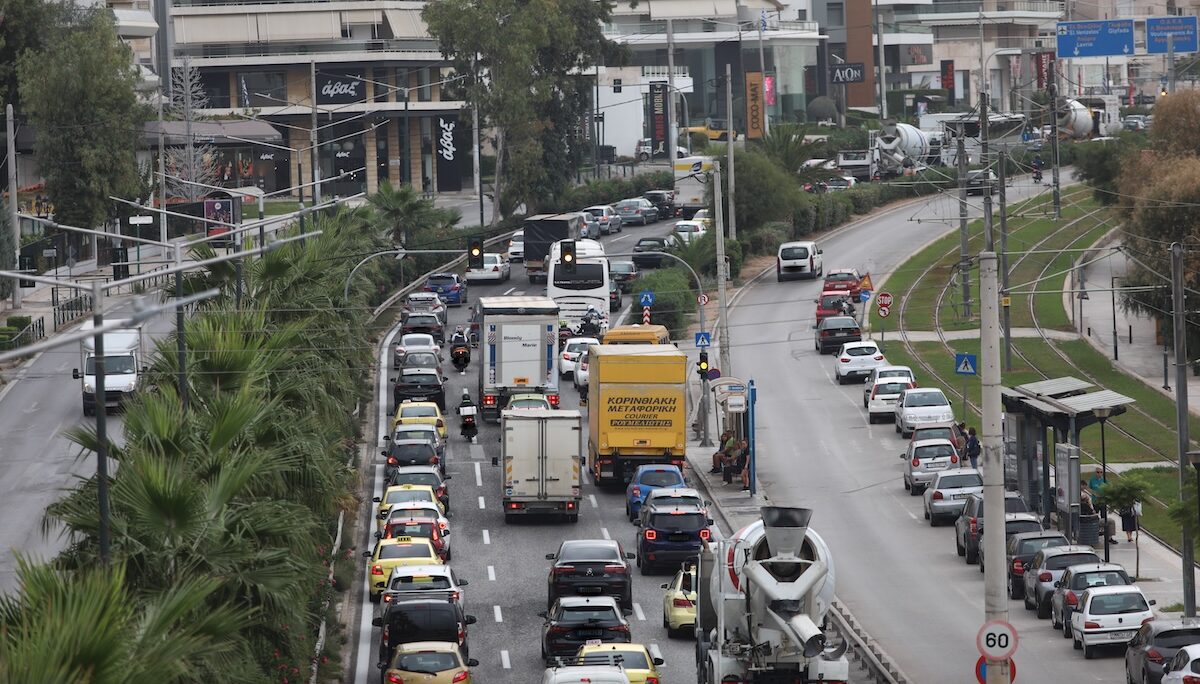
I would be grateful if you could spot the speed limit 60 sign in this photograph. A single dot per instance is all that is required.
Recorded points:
(997, 640)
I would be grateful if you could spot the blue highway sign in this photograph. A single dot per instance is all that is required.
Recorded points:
(965, 364)
(647, 298)
(1095, 38)
(1182, 28)
(703, 340)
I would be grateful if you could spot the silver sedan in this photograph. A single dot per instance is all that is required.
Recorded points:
(947, 494)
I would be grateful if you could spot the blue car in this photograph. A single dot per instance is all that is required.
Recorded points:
(450, 287)
(645, 479)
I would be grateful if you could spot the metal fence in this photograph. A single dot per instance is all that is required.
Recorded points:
(31, 333)
(69, 310)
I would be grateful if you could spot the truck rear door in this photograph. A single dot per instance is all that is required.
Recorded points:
(521, 360)
(560, 458)
(522, 450)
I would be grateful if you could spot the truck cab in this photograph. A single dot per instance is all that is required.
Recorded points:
(123, 370)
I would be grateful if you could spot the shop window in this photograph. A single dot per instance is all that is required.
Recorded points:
(262, 88)
(216, 87)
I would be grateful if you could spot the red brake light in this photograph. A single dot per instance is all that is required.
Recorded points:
(705, 534)
(566, 356)
(637, 491)
(553, 399)
(651, 535)
(489, 400)
(1073, 600)
(681, 603)
(377, 569)
(1045, 577)
(1018, 568)
(936, 496)
(1154, 656)
(916, 462)
(651, 680)
(874, 391)
(1091, 625)
(462, 633)
(974, 522)
(615, 569)
(879, 357)
(461, 676)
(954, 458)
(563, 569)
(1189, 679)
(392, 460)
(434, 460)
(844, 359)
(394, 678)
(620, 628)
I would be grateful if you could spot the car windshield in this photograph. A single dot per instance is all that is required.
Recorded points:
(893, 373)
(683, 522)
(423, 432)
(440, 280)
(527, 403)
(628, 204)
(113, 365)
(410, 529)
(1068, 559)
(660, 478)
(831, 301)
(862, 351)
(391, 551)
(920, 399)
(423, 319)
(1018, 526)
(421, 360)
(1117, 604)
(420, 583)
(427, 479)
(1177, 638)
(411, 451)
(1105, 578)
(417, 340)
(934, 451)
(890, 387)
(577, 346)
(840, 277)
(651, 244)
(1015, 504)
(420, 378)
(595, 211)
(418, 412)
(685, 500)
(584, 614)
(620, 267)
(629, 660)
(1032, 546)
(687, 228)
(426, 661)
(585, 551)
(839, 322)
(959, 481)
(932, 433)
(793, 253)
(403, 495)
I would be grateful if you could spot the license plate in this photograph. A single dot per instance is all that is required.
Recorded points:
(593, 642)
(589, 590)
(1121, 636)
(589, 633)
(960, 496)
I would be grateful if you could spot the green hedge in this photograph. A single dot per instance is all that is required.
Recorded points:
(19, 322)
(609, 190)
(674, 299)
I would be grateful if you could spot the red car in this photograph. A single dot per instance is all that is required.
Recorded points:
(830, 304)
(844, 280)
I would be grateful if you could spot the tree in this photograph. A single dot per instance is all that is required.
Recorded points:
(401, 210)
(191, 166)
(79, 92)
(1126, 492)
(25, 28)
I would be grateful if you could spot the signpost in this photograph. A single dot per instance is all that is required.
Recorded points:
(997, 642)
(850, 72)
(1182, 29)
(965, 365)
(702, 299)
(647, 299)
(645, 315)
(884, 303)
(1112, 38)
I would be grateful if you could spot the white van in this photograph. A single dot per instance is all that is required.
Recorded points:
(799, 260)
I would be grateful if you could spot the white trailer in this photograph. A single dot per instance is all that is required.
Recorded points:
(123, 370)
(519, 341)
(541, 451)
(691, 184)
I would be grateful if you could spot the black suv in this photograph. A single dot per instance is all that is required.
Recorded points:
(663, 200)
(421, 322)
(592, 567)
(649, 244)
(575, 620)
(410, 620)
(419, 384)
(670, 536)
(834, 331)
(968, 527)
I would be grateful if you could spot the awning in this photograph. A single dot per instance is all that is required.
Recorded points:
(362, 17)
(406, 23)
(299, 26)
(222, 28)
(218, 132)
(691, 9)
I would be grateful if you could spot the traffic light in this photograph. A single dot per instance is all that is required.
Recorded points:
(567, 256)
(120, 265)
(1163, 92)
(475, 253)
(702, 365)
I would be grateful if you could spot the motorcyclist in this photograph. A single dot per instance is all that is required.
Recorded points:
(590, 321)
(846, 307)
(469, 427)
(459, 337)
(1037, 168)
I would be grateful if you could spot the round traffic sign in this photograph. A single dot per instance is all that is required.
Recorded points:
(884, 311)
(702, 299)
(981, 670)
(884, 299)
(997, 640)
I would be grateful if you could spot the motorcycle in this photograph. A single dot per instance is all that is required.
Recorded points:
(564, 334)
(460, 356)
(589, 329)
(1037, 176)
(469, 427)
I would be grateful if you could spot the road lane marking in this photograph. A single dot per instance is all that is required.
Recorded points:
(476, 452)
(622, 237)
(504, 662)
(362, 668)
(604, 531)
(499, 617)
(508, 292)
(487, 538)
(592, 498)
(478, 475)
(481, 506)
(637, 610)
(491, 573)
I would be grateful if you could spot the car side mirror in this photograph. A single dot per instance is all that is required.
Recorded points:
(471, 620)
(445, 533)
(1153, 602)
(448, 477)
(816, 301)
(626, 611)
(629, 555)
(383, 453)
(366, 554)
(543, 614)
(549, 556)
(387, 438)
(664, 586)
(392, 380)
(75, 374)
(1057, 585)
(381, 665)
(471, 662)
(903, 456)
(377, 622)
(820, 251)
(376, 499)
(463, 582)
(710, 521)
(659, 661)
(377, 535)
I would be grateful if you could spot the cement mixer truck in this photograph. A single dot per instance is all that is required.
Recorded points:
(1090, 116)
(897, 147)
(764, 596)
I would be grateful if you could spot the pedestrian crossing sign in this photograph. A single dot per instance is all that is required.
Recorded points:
(965, 364)
(703, 340)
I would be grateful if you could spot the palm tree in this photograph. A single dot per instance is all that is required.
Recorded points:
(785, 146)
(400, 210)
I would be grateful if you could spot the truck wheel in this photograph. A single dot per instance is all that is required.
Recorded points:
(508, 518)
(574, 518)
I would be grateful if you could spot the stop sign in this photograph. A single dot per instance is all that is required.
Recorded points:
(884, 299)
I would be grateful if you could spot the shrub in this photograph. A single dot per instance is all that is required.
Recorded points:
(7, 334)
(766, 240)
(19, 322)
(609, 190)
(674, 299)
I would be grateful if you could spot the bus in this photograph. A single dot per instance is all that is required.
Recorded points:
(638, 334)
(587, 286)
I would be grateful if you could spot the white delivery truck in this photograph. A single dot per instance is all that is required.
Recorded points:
(540, 451)
(123, 369)
(518, 336)
(691, 184)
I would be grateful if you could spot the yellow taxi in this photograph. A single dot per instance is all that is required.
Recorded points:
(429, 662)
(394, 553)
(420, 413)
(402, 494)
(640, 665)
(679, 601)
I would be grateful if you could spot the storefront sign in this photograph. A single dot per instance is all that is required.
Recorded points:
(948, 79)
(449, 168)
(341, 88)
(916, 55)
(658, 120)
(1041, 63)
(654, 409)
(769, 90)
(755, 108)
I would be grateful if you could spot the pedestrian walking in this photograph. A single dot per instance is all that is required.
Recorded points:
(973, 448)
(1129, 521)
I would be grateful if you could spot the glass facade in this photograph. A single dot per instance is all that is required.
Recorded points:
(348, 153)
(262, 88)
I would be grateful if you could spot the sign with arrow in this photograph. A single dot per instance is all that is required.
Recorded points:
(646, 298)
(1113, 38)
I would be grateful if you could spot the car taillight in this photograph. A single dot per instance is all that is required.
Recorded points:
(651, 535)
(434, 460)
(874, 391)
(1045, 577)
(462, 633)
(566, 356)
(553, 399)
(440, 423)
(824, 333)
(387, 598)
(441, 490)
(615, 569)
(844, 359)
(705, 534)
(1018, 567)
(619, 628)
(1071, 598)
(563, 570)
(1149, 619)
(461, 676)
(974, 523)
(954, 458)
(1091, 625)
(1154, 656)
(916, 462)
(394, 678)
(681, 603)
(1189, 679)
(558, 629)
(454, 287)
(489, 400)
(936, 496)
(879, 357)
(392, 460)
(651, 680)
(515, 505)
(637, 491)
(376, 569)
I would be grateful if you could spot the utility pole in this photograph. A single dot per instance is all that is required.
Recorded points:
(1052, 86)
(595, 130)
(101, 423)
(14, 221)
(162, 175)
(729, 149)
(989, 245)
(188, 116)
(883, 112)
(314, 158)
(995, 597)
(964, 254)
(478, 174)
(1179, 323)
(672, 129)
(722, 270)
(1170, 63)
(1003, 175)
(762, 67)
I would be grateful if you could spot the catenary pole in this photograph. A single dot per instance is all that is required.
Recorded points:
(729, 136)
(101, 423)
(312, 136)
(1179, 322)
(995, 591)
(1002, 173)
(672, 129)
(1052, 85)
(964, 261)
(723, 323)
(14, 221)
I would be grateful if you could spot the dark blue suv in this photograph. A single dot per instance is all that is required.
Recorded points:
(669, 536)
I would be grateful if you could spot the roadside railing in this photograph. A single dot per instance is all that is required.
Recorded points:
(31, 333)
(67, 310)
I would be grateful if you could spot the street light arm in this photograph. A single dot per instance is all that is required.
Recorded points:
(90, 231)
(346, 289)
(209, 262)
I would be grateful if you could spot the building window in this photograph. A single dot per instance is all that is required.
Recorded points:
(836, 14)
(216, 87)
(424, 90)
(382, 162)
(402, 82)
(262, 89)
(801, 15)
(382, 84)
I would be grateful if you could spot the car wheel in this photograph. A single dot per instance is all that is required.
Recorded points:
(1023, 595)
(958, 547)
(897, 425)
(1066, 628)
(666, 625)
(927, 517)
(374, 598)
(972, 557)
(1043, 610)
(778, 277)
(905, 481)
(1075, 643)
(627, 600)
(1089, 652)
(645, 568)
(448, 553)
(915, 491)
(574, 518)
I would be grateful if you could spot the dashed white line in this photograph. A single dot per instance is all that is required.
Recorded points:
(499, 617)
(481, 505)
(487, 538)
(604, 531)
(504, 662)
(592, 498)
(491, 573)
(637, 610)
(508, 292)
(478, 475)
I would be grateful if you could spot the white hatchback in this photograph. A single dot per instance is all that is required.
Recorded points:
(890, 372)
(495, 268)
(881, 398)
(572, 350)
(856, 360)
(580, 376)
(1109, 616)
(516, 246)
(687, 232)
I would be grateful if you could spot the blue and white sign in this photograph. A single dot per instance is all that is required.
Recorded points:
(965, 364)
(646, 298)
(1095, 38)
(703, 340)
(864, 295)
(1182, 28)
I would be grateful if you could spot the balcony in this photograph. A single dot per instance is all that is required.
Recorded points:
(661, 71)
(332, 51)
(708, 31)
(953, 13)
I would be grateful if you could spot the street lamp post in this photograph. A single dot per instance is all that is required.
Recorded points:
(1194, 459)
(1102, 414)
(1113, 286)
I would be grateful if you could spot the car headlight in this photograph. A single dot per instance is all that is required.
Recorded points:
(89, 388)
(948, 415)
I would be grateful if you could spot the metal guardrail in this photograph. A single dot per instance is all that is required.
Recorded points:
(67, 311)
(31, 333)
